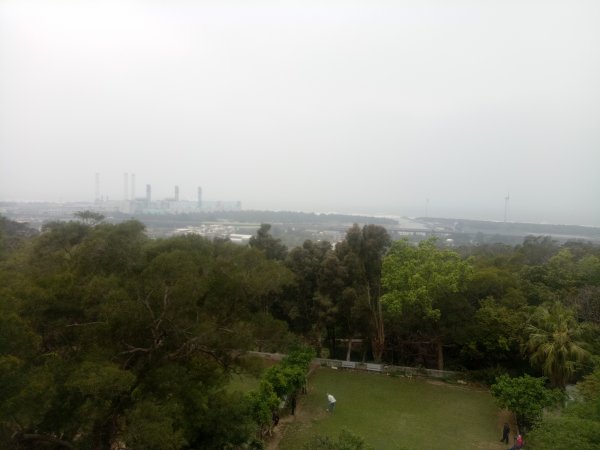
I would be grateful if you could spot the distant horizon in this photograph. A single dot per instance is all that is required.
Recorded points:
(393, 216)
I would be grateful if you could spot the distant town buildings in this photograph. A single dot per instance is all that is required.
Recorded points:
(212, 231)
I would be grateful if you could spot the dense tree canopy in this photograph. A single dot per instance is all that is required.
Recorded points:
(109, 337)
(420, 282)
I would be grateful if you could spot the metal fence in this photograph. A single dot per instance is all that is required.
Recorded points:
(391, 369)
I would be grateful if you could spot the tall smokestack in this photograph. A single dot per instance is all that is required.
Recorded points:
(176, 193)
(97, 194)
(148, 194)
(125, 186)
(199, 197)
(133, 186)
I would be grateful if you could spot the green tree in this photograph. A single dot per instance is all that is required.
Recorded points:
(561, 270)
(108, 337)
(89, 217)
(309, 310)
(553, 343)
(495, 282)
(262, 404)
(525, 396)
(278, 383)
(13, 235)
(264, 241)
(351, 311)
(362, 253)
(536, 250)
(493, 336)
(588, 270)
(418, 280)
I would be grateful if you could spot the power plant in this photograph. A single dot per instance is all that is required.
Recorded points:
(147, 205)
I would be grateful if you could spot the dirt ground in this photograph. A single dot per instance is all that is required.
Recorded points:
(506, 416)
(273, 442)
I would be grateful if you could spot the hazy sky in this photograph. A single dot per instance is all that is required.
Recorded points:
(349, 106)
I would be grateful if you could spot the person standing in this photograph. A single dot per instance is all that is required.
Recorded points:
(330, 402)
(505, 433)
(518, 443)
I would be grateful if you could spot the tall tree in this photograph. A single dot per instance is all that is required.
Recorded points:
(309, 309)
(362, 253)
(89, 217)
(553, 343)
(419, 279)
(265, 241)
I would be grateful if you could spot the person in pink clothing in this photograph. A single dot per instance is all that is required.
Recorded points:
(518, 443)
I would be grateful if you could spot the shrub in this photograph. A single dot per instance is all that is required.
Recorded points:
(526, 396)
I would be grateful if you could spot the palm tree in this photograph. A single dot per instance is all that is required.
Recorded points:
(553, 344)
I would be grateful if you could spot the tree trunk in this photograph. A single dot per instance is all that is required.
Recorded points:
(440, 354)
(349, 351)
(105, 433)
(378, 338)
(377, 347)
(331, 334)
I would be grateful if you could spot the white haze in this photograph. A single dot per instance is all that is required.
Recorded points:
(350, 106)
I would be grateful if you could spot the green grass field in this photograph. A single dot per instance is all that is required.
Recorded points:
(393, 413)
(243, 383)
(249, 380)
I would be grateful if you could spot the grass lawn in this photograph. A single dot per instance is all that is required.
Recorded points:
(250, 379)
(243, 383)
(393, 413)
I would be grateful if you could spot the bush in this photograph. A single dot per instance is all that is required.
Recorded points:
(301, 357)
(526, 396)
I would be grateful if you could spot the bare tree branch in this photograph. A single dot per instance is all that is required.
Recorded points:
(135, 350)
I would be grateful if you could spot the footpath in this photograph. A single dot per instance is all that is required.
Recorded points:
(299, 415)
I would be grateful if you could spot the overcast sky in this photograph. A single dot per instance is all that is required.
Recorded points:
(350, 106)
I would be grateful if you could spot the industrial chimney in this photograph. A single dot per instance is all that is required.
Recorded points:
(148, 195)
(199, 197)
(97, 199)
(125, 186)
(176, 193)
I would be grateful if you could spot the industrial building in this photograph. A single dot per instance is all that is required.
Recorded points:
(130, 204)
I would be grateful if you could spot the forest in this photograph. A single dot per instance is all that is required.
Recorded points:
(110, 339)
